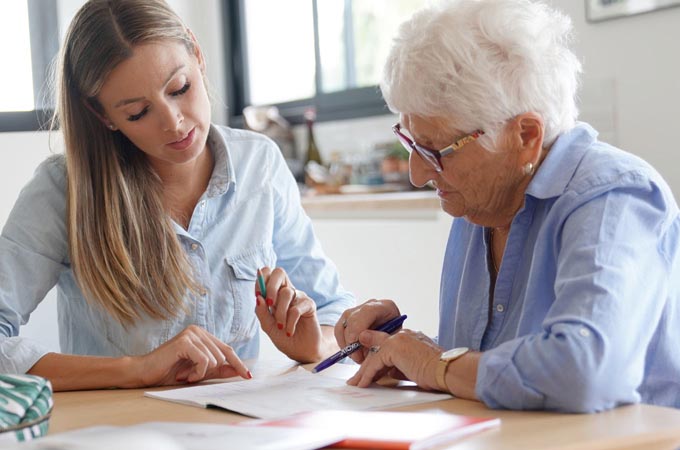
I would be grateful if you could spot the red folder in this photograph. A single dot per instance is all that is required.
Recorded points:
(389, 430)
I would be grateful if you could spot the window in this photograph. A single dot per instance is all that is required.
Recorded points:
(29, 39)
(300, 53)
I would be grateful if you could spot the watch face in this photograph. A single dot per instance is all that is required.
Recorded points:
(454, 353)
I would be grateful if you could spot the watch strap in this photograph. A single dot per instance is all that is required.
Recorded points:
(443, 365)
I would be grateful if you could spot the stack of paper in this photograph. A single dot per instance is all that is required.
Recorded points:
(292, 393)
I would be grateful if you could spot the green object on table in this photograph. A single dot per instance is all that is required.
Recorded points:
(25, 407)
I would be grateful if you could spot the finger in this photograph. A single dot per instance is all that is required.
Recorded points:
(367, 339)
(184, 368)
(372, 338)
(232, 359)
(371, 314)
(199, 355)
(372, 369)
(275, 281)
(284, 298)
(301, 306)
(227, 371)
(339, 329)
(266, 273)
(216, 348)
(267, 320)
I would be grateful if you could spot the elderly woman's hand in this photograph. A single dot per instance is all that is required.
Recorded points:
(366, 316)
(411, 354)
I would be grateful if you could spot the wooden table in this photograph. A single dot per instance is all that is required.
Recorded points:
(628, 427)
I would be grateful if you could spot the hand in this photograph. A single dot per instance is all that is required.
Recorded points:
(366, 316)
(410, 353)
(191, 356)
(288, 316)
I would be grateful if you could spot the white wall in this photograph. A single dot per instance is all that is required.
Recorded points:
(641, 55)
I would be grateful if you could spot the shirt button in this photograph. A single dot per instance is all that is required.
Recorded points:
(584, 332)
(500, 308)
(194, 246)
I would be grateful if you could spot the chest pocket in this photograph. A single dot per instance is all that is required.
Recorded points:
(242, 280)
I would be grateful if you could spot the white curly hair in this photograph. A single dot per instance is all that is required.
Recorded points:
(482, 62)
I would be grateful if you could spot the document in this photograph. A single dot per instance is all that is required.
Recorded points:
(387, 429)
(295, 392)
(183, 436)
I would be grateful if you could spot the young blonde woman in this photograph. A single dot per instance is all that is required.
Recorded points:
(154, 222)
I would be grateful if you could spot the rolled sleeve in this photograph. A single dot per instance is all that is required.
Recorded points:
(300, 253)
(611, 284)
(18, 355)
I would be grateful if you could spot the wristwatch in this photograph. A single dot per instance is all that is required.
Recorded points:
(445, 359)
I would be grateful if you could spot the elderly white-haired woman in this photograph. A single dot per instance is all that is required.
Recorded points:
(560, 286)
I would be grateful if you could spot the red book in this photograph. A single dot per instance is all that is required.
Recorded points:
(389, 430)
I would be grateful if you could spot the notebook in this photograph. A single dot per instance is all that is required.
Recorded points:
(295, 392)
(388, 429)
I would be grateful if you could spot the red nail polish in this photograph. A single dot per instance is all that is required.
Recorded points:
(270, 302)
(287, 334)
(279, 326)
(250, 375)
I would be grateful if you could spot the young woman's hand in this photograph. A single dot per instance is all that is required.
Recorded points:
(191, 356)
(288, 316)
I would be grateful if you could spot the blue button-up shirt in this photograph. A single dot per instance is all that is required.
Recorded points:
(584, 315)
(250, 216)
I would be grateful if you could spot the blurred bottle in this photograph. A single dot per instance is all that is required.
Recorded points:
(312, 149)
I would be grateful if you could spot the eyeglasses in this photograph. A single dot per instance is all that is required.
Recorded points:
(434, 157)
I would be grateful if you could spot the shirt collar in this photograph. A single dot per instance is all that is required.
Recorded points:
(223, 173)
(561, 162)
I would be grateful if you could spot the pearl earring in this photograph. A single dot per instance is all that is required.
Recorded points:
(111, 126)
(528, 168)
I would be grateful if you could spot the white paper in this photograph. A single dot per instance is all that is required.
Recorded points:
(292, 393)
(184, 436)
(203, 436)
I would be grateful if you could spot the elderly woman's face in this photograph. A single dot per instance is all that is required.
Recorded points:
(474, 183)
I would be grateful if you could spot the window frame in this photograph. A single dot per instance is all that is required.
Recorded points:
(43, 26)
(345, 104)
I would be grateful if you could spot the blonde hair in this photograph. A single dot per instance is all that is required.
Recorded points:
(123, 248)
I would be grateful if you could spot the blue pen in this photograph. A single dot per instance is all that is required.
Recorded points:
(388, 327)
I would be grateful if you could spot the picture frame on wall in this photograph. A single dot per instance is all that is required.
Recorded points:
(599, 10)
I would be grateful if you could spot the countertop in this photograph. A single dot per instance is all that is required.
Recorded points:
(411, 203)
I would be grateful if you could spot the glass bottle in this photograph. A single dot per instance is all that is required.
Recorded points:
(312, 149)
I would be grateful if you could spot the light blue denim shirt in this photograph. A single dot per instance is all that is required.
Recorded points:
(250, 216)
(585, 314)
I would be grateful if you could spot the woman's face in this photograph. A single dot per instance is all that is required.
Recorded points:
(157, 98)
(482, 186)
